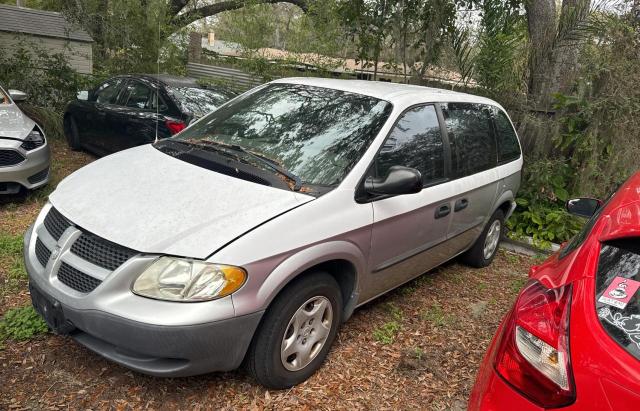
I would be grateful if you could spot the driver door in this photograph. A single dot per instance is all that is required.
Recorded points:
(408, 229)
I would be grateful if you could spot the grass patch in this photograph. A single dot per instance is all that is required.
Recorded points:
(517, 284)
(11, 263)
(436, 315)
(21, 324)
(393, 310)
(387, 333)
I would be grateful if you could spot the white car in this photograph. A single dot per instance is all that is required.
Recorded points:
(24, 153)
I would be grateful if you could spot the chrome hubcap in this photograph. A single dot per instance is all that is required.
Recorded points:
(492, 239)
(306, 333)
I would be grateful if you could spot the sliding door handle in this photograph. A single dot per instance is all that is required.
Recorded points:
(443, 211)
(461, 204)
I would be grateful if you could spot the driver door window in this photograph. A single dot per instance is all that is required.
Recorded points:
(414, 142)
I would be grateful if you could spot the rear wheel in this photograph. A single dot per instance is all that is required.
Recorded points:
(71, 133)
(297, 332)
(484, 250)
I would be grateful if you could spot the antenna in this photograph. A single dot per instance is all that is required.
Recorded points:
(158, 82)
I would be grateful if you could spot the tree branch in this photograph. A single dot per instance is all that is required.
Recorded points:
(181, 20)
(176, 5)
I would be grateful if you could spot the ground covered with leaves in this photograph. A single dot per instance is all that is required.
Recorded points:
(418, 347)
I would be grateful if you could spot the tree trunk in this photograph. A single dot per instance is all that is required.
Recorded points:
(555, 45)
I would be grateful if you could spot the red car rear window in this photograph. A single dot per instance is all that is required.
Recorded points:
(618, 292)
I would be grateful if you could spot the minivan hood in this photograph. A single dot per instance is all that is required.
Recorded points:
(151, 202)
(13, 122)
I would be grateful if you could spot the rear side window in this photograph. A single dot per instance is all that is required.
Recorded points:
(618, 270)
(508, 147)
(137, 95)
(473, 146)
(415, 142)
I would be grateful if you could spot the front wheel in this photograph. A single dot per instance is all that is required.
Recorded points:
(71, 133)
(484, 250)
(297, 332)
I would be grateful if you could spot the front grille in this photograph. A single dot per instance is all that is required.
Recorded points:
(30, 144)
(76, 279)
(42, 252)
(10, 158)
(101, 252)
(56, 223)
(39, 176)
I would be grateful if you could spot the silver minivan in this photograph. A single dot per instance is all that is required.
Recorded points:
(253, 234)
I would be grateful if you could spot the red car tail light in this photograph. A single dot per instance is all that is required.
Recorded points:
(175, 126)
(533, 353)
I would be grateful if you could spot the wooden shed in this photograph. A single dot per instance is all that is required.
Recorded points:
(48, 30)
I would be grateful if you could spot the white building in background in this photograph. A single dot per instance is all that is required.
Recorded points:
(47, 30)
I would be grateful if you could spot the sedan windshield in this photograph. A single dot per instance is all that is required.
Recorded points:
(314, 134)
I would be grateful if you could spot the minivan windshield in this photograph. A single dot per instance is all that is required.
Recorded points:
(312, 134)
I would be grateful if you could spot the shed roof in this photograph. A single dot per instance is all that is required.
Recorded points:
(15, 19)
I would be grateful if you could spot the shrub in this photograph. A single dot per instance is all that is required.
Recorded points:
(22, 323)
(46, 77)
(540, 213)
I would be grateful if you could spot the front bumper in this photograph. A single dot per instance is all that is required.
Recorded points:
(147, 340)
(30, 173)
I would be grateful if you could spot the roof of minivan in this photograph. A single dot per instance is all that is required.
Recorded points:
(392, 92)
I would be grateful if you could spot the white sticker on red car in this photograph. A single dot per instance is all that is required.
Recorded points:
(619, 292)
(629, 324)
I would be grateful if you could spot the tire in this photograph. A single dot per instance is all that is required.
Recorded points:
(71, 133)
(265, 361)
(475, 256)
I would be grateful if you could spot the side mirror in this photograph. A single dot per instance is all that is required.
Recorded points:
(400, 180)
(82, 95)
(583, 207)
(17, 95)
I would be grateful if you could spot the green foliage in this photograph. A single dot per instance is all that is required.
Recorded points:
(11, 260)
(46, 77)
(540, 213)
(131, 36)
(436, 315)
(392, 309)
(21, 323)
(386, 334)
(501, 59)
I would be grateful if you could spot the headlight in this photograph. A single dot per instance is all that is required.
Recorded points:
(180, 279)
(33, 140)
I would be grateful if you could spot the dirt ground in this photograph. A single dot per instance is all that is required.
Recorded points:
(418, 347)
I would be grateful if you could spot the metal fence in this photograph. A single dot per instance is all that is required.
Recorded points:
(234, 78)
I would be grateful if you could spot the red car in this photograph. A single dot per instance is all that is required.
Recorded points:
(572, 338)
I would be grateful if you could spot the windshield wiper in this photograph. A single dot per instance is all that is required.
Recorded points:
(263, 160)
(271, 164)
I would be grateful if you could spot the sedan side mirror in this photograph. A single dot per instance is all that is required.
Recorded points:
(17, 95)
(583, 207)
(82, 95)
(400, 180)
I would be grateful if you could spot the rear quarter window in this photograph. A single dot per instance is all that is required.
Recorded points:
(620, 260)
(508, 146)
